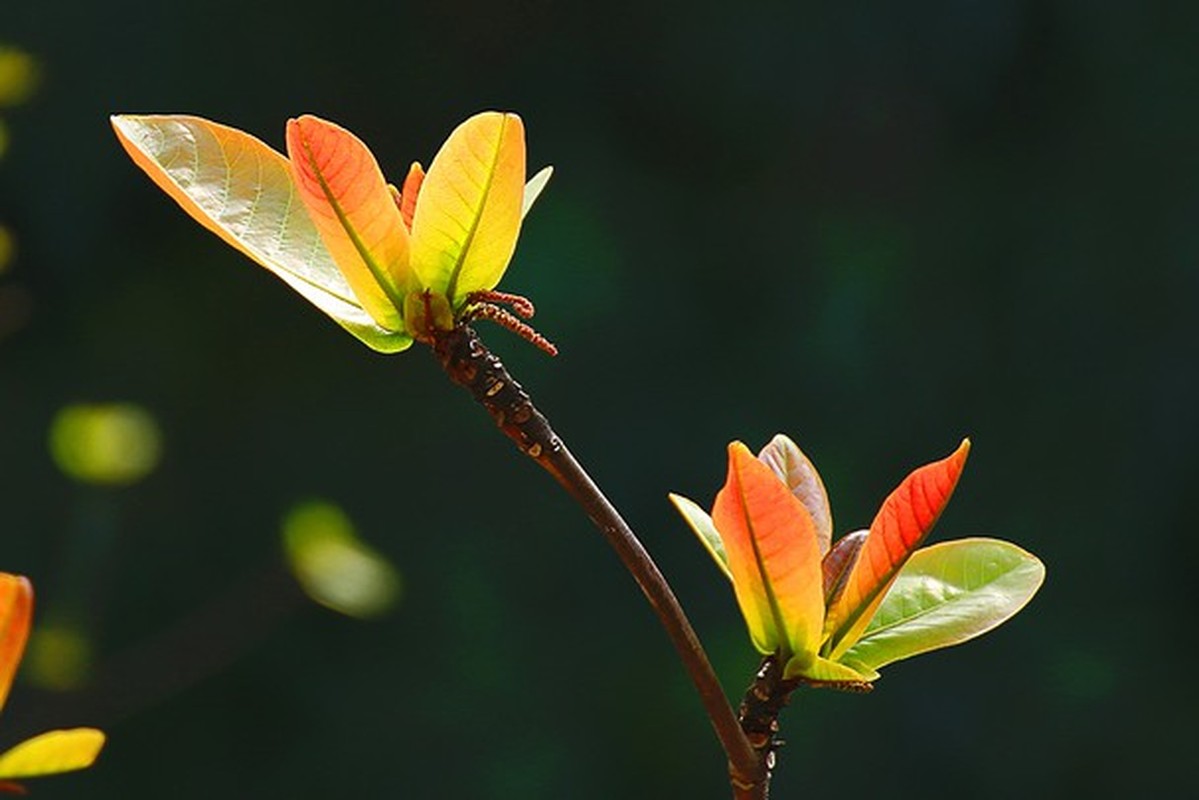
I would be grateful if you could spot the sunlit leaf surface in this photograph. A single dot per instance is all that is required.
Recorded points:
(946, 594)
(52, 752)
(16, 610)
(348, 200)
(773, 556)
(468, 217)
(838, 562)
(794, 469)
(906, 517)
(534, 188)
(703, 527)
(242, 190)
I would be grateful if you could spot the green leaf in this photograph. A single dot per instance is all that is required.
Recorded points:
(821, 670)
(945, 595)
(242, 190)
(704, 529)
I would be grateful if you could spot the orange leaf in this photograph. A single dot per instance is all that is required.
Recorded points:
(16, 608)
(348, 200)
(773, 557)
(411, 190)
(905, 518)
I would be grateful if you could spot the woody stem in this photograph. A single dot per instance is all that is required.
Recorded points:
(471, 365)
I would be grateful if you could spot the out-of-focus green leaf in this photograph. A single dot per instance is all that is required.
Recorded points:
(18, 75)
(702, 525)
(334, 566)
(107, 444)
(944, 595)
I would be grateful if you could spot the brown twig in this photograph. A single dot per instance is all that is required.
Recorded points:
(471, 365)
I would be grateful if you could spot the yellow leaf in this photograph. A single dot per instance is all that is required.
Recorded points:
(468, 214)
(52, 752)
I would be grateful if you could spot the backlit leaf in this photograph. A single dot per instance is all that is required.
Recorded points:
(349, 202)
(794, 469)
(468, 217)
(534, 188)
(838, 562)
(822, 670)
(410, 192)
(16, 609)
(703, 527)
(52, 752)
(242, 190)
(946, 594)
(906, 517)
(773, 557)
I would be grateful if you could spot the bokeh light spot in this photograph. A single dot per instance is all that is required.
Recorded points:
(18, 75)
(334, 567)
(59, 657)
(114, 444)
(8, 245)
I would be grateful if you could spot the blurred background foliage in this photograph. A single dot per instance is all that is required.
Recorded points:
(875, 227)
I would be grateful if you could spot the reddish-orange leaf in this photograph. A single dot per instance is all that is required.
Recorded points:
(905, 518)
(773, 557)
(16, 609)
(411, 190)
(347, 198)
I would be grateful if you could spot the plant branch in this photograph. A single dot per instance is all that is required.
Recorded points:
(471, 365)
(759, 714)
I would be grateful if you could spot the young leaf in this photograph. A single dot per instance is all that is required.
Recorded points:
(347, 199)
(838, 562)
(905, 518)
(946, 594)
(16, 609)
(533, 189)
(773, 557)
(468, 217)
(242, 190)
(410, 192)
(701, 525)
(822, 670)
(52, 752)
(794, 469)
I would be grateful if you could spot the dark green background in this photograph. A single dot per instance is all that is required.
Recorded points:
(878, 227)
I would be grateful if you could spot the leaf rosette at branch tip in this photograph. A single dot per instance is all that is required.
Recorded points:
(390, 265)
(834, 613)
(47, 753)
